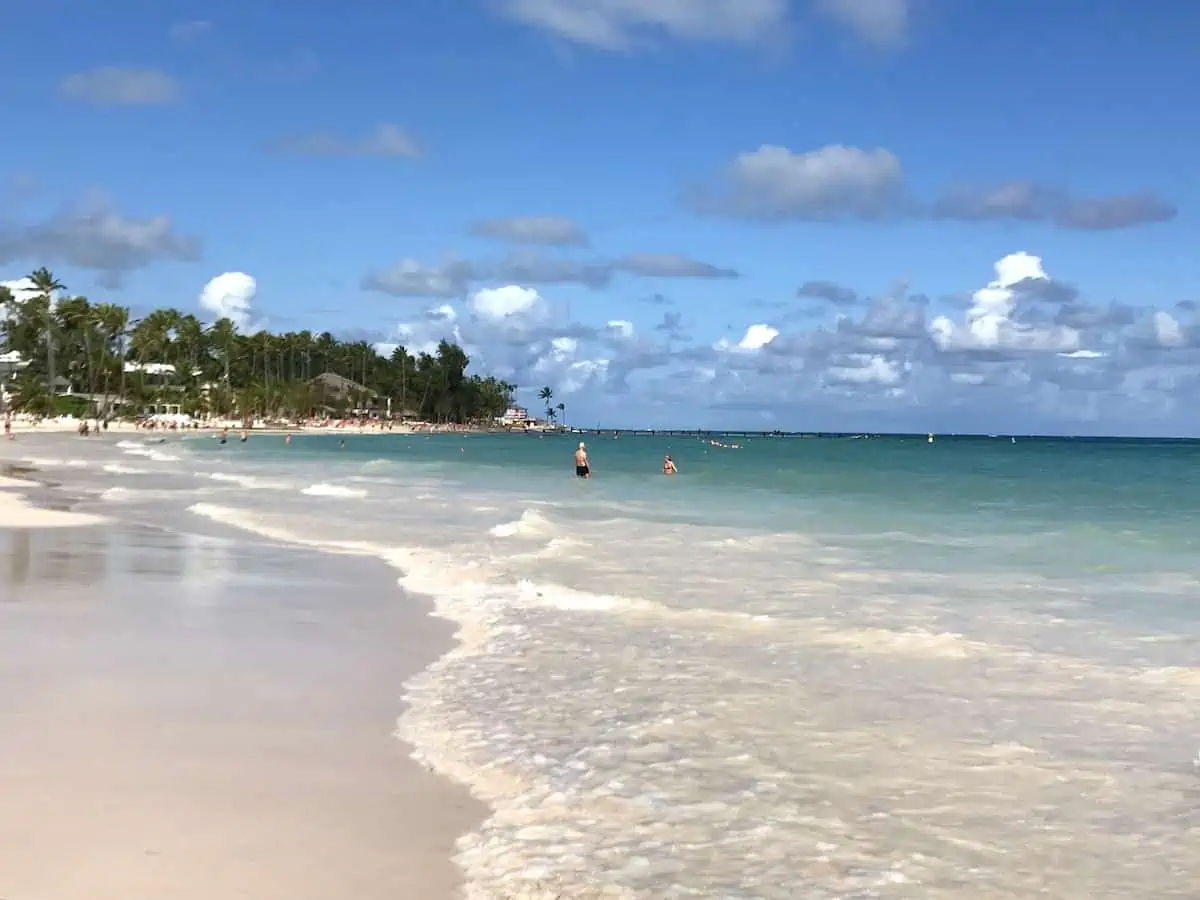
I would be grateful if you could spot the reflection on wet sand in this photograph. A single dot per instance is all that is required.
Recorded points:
(36, 558)
(191, 716)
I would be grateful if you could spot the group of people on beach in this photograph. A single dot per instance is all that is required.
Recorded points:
(583, 465)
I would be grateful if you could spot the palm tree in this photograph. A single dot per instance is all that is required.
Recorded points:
(266, 374)
(113, 321)
(562, 410)
(223, 334)
(47, 285)
(546, 394)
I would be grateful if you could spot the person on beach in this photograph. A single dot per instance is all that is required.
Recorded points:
(8, 426)
(583, 468)
(669, 467)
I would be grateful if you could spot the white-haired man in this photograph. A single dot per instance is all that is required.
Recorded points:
(583, 468)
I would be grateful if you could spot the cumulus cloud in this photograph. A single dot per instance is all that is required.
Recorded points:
(385, 141)
(230, 296)
(1021, 352)
(96, 237)
(756, 337)
(776, 184)
(21, 289)
(989, 324)
(503, 302)
(116, 86)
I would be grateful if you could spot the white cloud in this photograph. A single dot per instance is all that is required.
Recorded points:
(21, 289)
(621, 329)
(989, 323)
(115, 86)
(503, 302)
(1005, 363)
(881, 22)
(867, 368)
(756, 337)
(774, 183)
(1167, 330)
(230, 296)
(623, 24)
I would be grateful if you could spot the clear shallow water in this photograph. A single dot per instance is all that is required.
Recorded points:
(805, 668)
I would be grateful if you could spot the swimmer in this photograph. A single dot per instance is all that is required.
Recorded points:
(245, 437)
(288, 439)
(583, 466)
(224, 435)
(669, 467)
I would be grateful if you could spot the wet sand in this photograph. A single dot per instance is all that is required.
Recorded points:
(200, 717)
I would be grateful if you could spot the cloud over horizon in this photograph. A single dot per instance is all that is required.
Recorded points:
(1011, 355)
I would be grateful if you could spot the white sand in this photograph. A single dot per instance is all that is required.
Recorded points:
(168, 737)
(17, 512)
(17, 483)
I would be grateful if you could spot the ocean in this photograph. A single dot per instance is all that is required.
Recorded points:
(802, 668)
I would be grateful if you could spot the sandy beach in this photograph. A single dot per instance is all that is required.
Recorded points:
(190, 716)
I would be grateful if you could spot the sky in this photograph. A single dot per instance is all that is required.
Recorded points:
(838, 215)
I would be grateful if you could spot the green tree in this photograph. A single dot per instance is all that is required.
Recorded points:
(47, 286)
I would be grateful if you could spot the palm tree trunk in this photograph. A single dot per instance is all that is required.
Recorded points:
(50, 350)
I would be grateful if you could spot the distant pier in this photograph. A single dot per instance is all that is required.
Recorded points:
(700, 434)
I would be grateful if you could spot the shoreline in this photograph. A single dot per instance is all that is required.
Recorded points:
(383, 825)
(69, 427)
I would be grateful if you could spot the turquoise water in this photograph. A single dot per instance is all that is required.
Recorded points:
(818, 668)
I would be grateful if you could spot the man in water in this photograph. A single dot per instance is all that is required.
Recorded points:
(669, 466)
(582, 467)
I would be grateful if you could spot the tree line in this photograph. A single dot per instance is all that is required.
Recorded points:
(75, 345)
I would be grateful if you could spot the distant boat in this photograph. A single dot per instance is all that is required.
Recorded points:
(930, 438)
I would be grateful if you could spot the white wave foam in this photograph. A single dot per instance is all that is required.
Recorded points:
(914, 642)
(43, 463)
(1181, 677)
(334, 490)
(118, 469)
(149, 453)
(531, 523)
(637, 786)
(250, 482)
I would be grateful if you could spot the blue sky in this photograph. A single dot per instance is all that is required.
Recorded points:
(840, 176)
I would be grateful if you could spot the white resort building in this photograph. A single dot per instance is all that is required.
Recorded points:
(514, 415)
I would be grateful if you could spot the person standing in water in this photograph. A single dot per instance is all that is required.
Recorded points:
(583, 468)
(669, 467)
